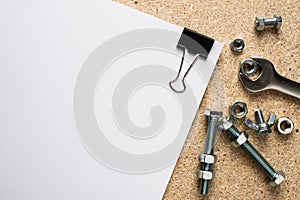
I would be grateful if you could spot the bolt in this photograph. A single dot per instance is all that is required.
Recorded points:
(206, 157)
(262, 128)
(262, 23)
(276, 177)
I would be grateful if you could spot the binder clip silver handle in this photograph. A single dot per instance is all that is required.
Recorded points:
(186, 73)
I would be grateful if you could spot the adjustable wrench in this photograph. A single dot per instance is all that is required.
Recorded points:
(267, 79)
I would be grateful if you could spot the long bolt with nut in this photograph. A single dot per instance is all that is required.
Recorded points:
(206, 157)
(262, 23)
(241, 139)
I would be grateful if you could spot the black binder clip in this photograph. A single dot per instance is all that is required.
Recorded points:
(195, 43)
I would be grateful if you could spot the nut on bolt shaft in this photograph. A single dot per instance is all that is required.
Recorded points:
(241, 139)
(206, 157)
(262, 23)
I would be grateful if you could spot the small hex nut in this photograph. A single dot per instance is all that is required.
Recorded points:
(206, 175)
(226, 123)
(278, 180)
(205, 158)
(238, 109)
(259, 23)
(240, 140)
(248, 67)
(237, 45)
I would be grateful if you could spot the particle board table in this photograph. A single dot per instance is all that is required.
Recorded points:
(236, 175)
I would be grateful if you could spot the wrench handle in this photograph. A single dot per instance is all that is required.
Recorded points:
(286, 86)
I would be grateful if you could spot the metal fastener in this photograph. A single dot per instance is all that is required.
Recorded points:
(238, 109)
(285, 125)
(262, 23)
(276, 177)
(262, 128)
(206, 157)
(248, 67)
(237, 45)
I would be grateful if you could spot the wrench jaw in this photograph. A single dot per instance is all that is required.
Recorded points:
(263, 80)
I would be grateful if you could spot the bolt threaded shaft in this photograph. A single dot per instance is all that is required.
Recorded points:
(253, 153)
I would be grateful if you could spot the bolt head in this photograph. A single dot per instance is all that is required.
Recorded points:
(226, 123)
(213, 113)
(259, 23)
(279, 21)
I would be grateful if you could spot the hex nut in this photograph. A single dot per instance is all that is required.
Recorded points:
(206, 175)
(285, 125)
(226, 123)
(238, 109)
(278, 179)
(240, 140)
(259, 23)
(237, 45)
(248, 67)
(204, 158)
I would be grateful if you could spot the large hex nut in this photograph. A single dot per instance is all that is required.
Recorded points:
(285, 125)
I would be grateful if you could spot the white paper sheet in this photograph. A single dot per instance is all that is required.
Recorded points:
(58, 88)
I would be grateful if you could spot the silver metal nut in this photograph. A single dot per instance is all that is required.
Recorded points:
(278, 179)
(285, 125)
(226, 123)
(237, 45)
(207, 175)
(238, 109)
(205, 158)
(248, 67)
(240, 140)
(259, 23)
